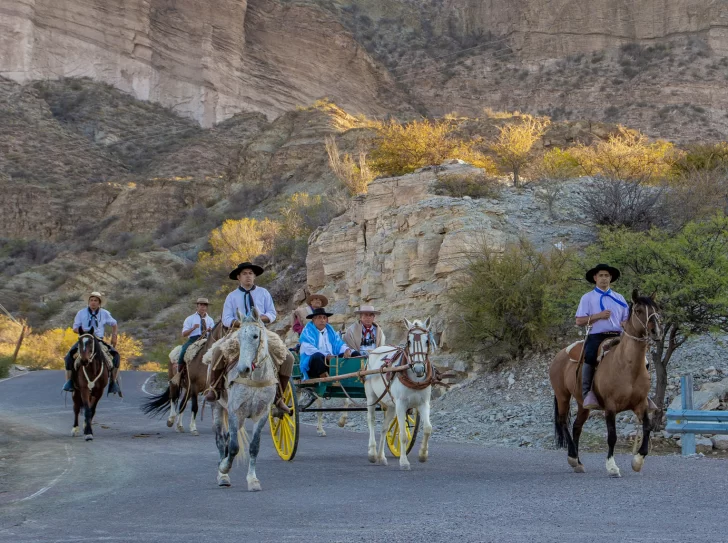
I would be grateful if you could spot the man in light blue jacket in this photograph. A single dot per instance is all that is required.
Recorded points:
(319, 344)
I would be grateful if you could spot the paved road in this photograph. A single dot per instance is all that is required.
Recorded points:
(140, 481)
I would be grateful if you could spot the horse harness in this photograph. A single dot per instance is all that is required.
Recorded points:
(91, 383)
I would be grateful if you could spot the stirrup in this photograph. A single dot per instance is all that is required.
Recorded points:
(593, 403)
(68, 386)
(281, 406)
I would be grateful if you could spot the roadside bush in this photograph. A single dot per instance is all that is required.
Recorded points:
(515, 142)
(507, 298)
(475, 185)
(703, 157)
(615, 202)
(355, 175)
(5, 363)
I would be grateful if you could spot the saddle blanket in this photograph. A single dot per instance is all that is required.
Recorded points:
(192, 351)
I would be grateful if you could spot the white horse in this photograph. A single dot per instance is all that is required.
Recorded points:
(252, 388)
(399, 397)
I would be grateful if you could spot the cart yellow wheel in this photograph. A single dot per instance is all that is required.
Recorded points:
(413, 425)
(285, 430)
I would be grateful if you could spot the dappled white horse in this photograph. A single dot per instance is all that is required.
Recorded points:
(398, 392)
(252, 387)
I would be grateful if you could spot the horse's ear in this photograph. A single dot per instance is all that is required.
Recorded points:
(427, 323)
(240, 315)
(635, 296)
(407, 323)
(91, 331)
(255, 313)
(653, 296)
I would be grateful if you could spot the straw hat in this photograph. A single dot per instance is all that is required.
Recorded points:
(324, 299)
(96, 294)
(202, 301)
(367, 309)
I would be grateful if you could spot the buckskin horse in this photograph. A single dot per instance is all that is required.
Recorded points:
(90, 377)
(187, 389)
(398, 393)
(251, 387)
(621, 383)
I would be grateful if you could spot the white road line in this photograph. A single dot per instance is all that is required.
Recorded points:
(13, 377)
(43, 490)
(144, 386)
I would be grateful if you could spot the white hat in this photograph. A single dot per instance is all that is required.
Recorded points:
(367, 309)
(96, 294)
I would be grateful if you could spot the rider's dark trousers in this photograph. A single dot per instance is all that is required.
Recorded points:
(591, 346)
(186, 345)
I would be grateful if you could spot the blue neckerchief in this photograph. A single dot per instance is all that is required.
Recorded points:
(607, 294)
(247, 299)
(93, 318)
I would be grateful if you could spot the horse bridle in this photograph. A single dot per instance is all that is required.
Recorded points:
(654, 315)
(93, 345)
(418, 332)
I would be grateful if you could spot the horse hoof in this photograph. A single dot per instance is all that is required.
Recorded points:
(223, 480)
(422, 458)
(254, 486)
(195, 433)
(341, 423)
(405, 467)
(321, 433)
(382, 461)
(170, 423)
(579, 469)
(373, 458)
(637, 462)
(612, 468)
(180, 429)
(89, 437)
(75, 432)
(573, 462)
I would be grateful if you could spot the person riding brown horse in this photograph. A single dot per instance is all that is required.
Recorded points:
(89, 380)
(196, 326)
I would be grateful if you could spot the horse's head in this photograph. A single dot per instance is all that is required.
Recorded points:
(86, 346)
(418, 344)
(644, 317)
(253, 341)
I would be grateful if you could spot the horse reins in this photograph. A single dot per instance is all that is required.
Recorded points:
(91, 383)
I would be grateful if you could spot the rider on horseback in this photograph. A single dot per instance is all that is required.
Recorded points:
(602, 311)
(93, 317)
(243, 300)
(195, 326)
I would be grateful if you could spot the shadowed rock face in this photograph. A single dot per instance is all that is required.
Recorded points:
(207, 60)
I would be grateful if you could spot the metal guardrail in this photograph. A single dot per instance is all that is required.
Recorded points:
(689, 421)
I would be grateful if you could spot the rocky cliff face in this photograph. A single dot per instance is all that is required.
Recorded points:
(400, 248)
(207, 60)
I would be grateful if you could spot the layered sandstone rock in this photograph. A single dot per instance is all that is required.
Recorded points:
(400, 248)
(207, 60)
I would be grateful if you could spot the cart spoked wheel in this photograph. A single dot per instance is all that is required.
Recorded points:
(413, 425)
(285, 430)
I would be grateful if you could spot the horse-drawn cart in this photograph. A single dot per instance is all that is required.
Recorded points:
(344, 382)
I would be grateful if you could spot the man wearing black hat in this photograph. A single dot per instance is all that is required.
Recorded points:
(319, 344)
(243, 300)
(602, 311)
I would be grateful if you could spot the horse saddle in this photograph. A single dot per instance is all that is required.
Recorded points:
(574, 350)
(194, 349)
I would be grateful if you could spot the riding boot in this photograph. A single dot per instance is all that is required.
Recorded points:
(113, 385)
(177, 379)
(587, 377)
(214, 390)
(68, 387)
(278, 402)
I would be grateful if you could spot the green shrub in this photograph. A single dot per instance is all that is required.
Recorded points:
(5, 363)
(703, 157)
(475, 185)
(509, 301)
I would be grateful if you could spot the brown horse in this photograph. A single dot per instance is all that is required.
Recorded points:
(621, 383)
(90, 377)
(191, 383)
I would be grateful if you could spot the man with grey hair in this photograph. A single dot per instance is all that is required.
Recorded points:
(365, 335)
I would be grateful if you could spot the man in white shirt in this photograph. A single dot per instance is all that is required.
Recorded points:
(243, 300)
(319, 344)
(196, 326)
(93, 317)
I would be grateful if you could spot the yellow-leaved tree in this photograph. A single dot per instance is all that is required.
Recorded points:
(515, 142)
(237, 241)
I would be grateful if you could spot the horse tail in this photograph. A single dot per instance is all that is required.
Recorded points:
(559, 437)
(157, 405)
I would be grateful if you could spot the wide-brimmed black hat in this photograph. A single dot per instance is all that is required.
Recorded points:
(614, 272)
(257, 270)
(318, 311)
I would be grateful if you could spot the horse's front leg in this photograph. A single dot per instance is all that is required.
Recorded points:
(88, 433)
(253, 482)
(233, 445)
(611, 418)
(173, 398)
(344, 416)
(221, 438)
(404, 463)
(424, 411)
(581, 417)
(389, 415)
(75, 432)
(639, 458)
(180, 415)
(193, 419)
(320, 428)
(371, 423)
